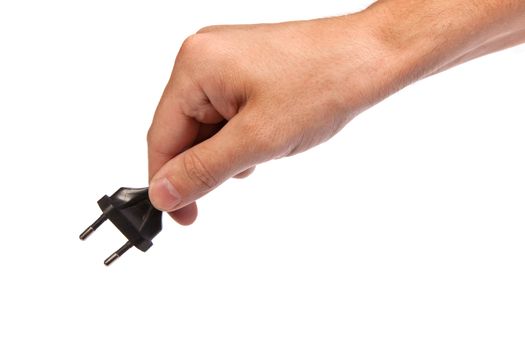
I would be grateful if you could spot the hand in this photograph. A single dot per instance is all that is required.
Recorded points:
(242, 95)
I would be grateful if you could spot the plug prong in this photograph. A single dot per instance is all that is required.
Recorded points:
(93, 227)
(118, 253)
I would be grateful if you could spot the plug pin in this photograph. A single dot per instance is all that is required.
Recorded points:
(93, 227)
(118, 253)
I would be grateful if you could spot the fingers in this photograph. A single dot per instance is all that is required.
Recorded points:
(187, 215)
(170, 133)
(245, 173)
(183, 117)
(203, 167)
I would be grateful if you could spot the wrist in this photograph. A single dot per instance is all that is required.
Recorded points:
(425, 37)
(364, 67)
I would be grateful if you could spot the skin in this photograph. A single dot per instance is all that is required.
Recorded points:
(242, 95)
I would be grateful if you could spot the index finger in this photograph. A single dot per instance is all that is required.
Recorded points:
(171, 131)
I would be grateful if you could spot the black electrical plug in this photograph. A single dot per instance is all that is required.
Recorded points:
(131, 211)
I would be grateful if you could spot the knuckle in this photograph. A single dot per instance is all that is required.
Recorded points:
(193, 43)
(200, 51)
(153, 140)
(197, 171)
(149, 137)
(208, 29)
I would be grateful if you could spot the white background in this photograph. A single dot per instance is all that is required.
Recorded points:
(405, 231)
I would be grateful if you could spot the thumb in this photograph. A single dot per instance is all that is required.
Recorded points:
(203, 167)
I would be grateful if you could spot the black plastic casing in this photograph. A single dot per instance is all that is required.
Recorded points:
(131, 211)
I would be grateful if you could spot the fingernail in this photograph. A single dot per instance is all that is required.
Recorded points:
(163, 195)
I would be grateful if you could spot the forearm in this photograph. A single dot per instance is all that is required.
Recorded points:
(425, 37)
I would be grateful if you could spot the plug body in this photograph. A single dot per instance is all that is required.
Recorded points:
(131, 211)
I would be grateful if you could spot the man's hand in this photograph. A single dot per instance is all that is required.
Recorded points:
(242, 95)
